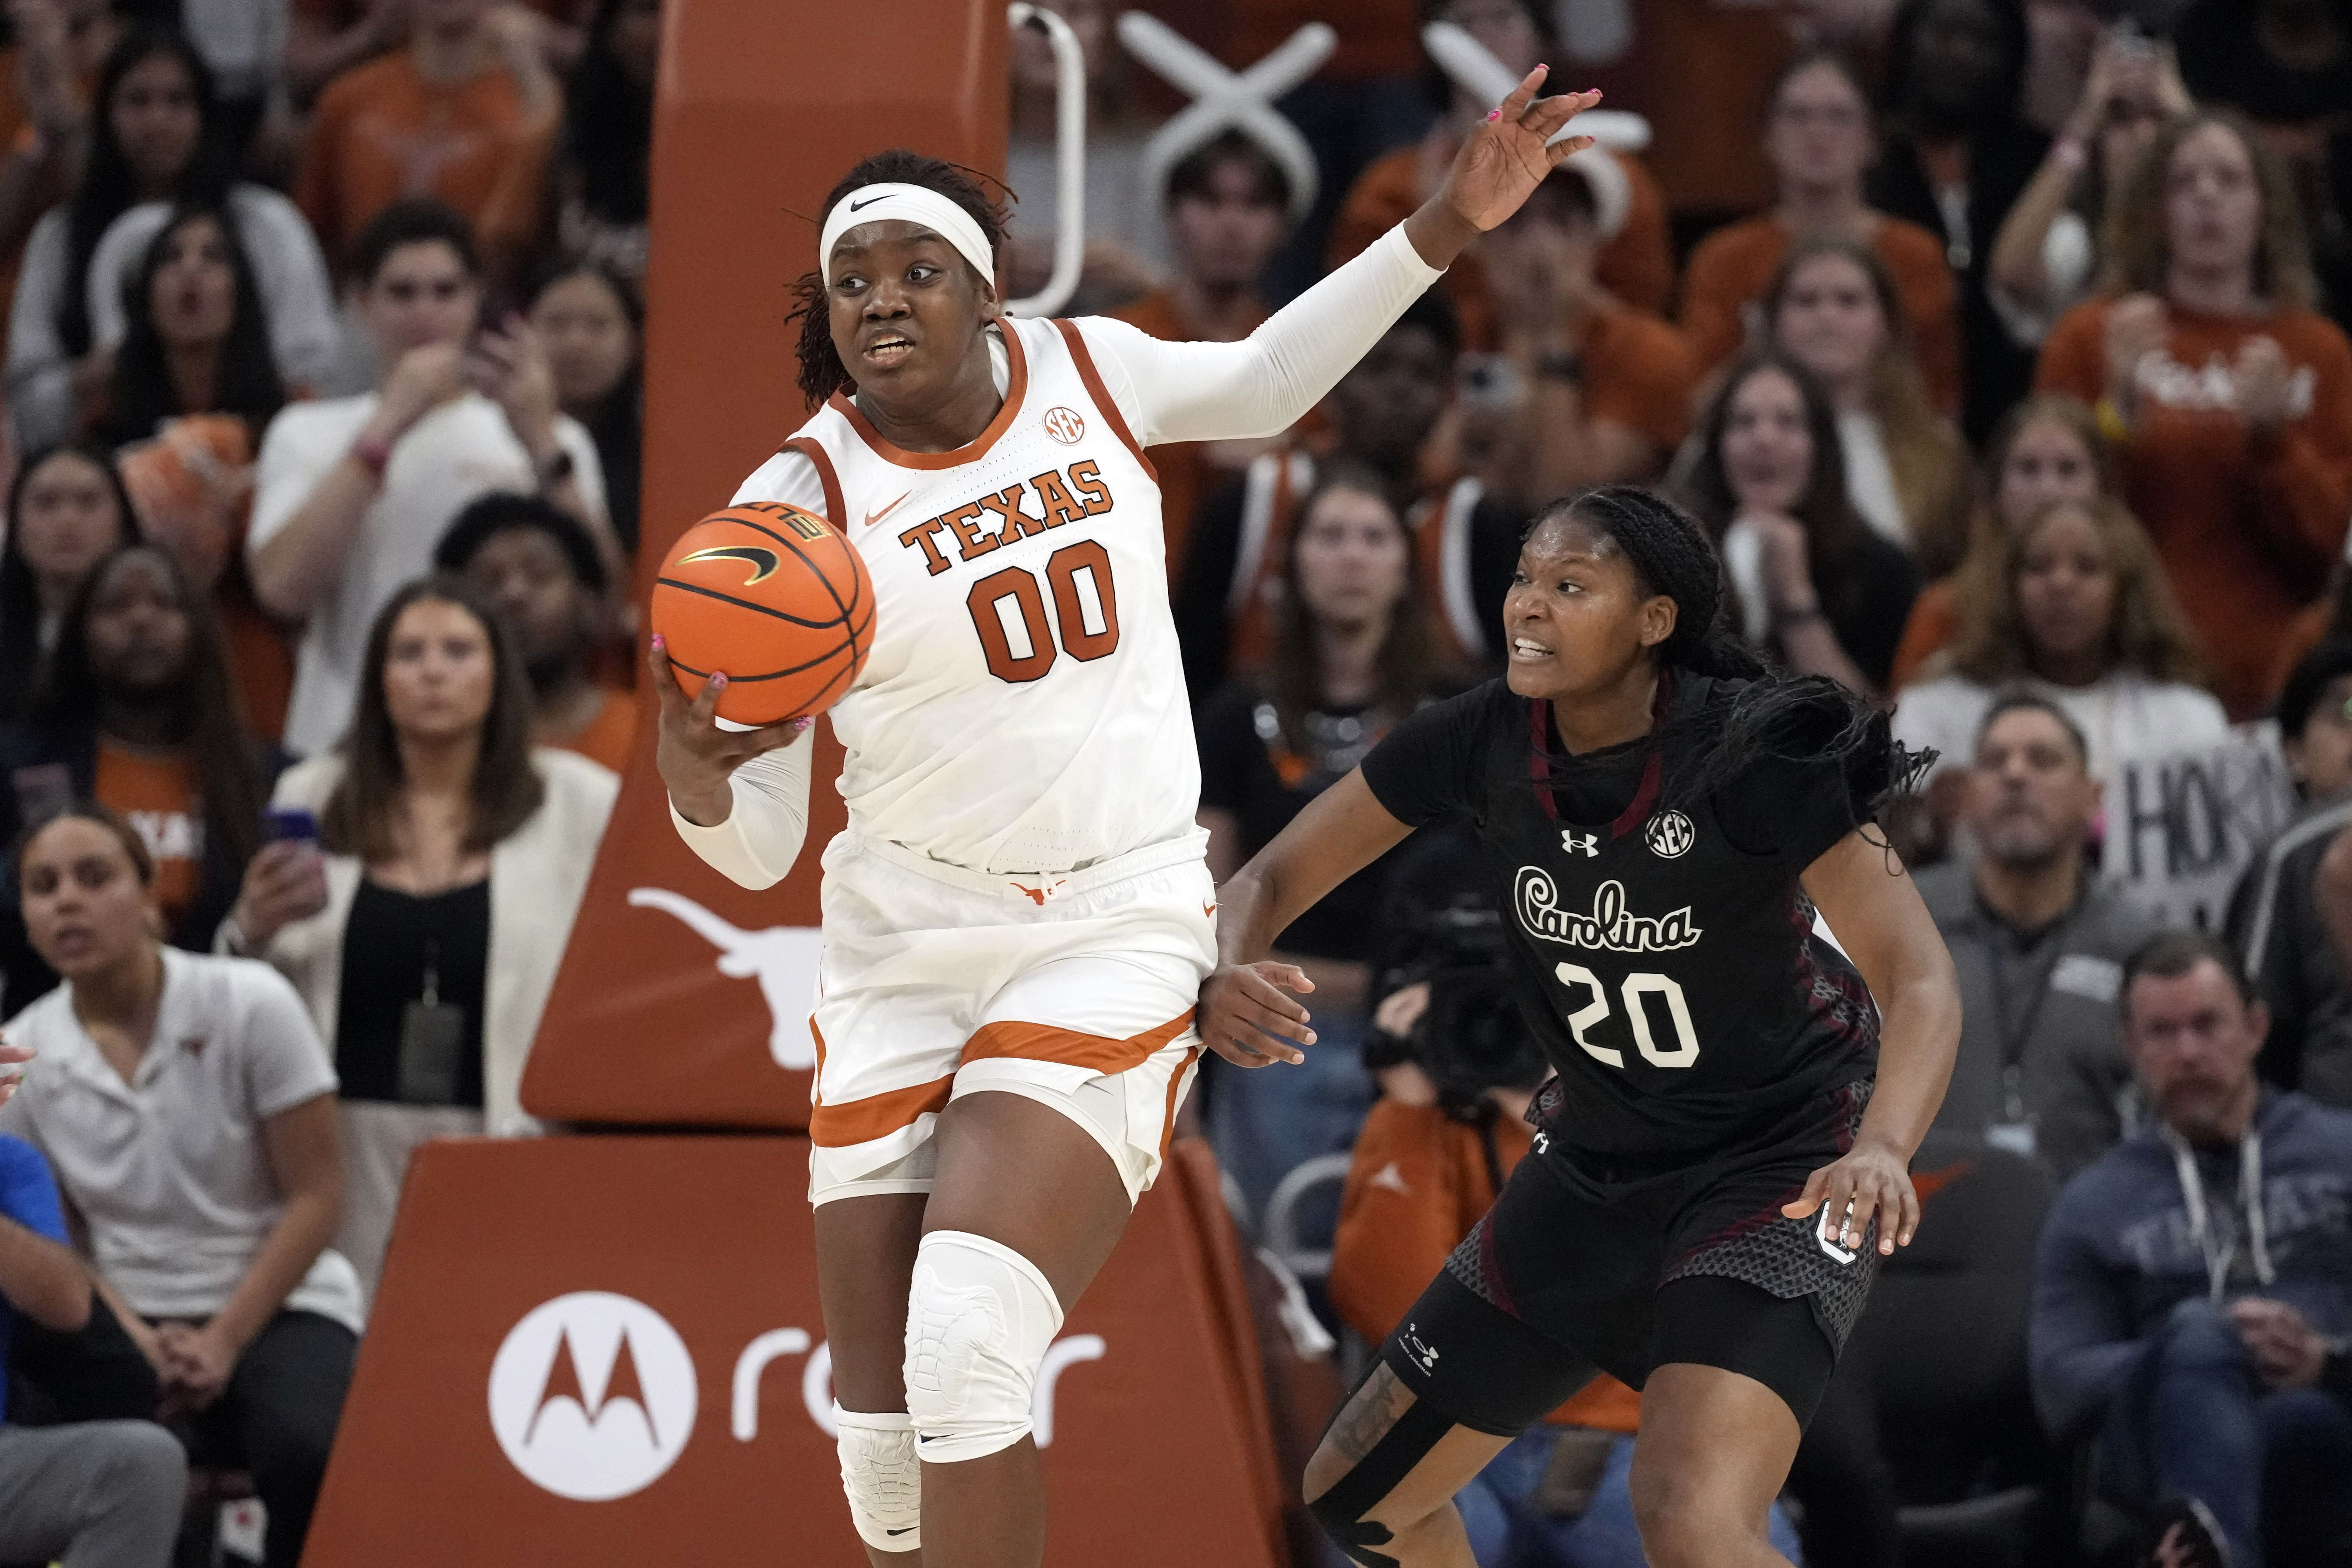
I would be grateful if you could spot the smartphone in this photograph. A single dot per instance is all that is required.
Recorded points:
(290, 824)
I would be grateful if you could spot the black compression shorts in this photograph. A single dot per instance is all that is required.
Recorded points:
(1565, 1277)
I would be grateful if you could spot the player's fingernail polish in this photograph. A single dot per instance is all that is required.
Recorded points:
(658, 639)
(718, 679)
(1494, 114)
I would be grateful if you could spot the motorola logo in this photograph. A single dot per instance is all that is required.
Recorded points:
(593, 1396)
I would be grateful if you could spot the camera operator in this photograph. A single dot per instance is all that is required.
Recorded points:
(1457, 1068)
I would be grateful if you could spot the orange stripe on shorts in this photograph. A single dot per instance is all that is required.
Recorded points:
(1097, 1053)
(876, 1115)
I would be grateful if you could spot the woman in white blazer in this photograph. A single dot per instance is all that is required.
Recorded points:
(455, 856)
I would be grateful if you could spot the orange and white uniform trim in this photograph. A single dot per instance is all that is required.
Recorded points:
(1019, 902)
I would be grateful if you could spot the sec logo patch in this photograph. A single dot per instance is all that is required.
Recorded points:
(1670, 835)
(1064, 425)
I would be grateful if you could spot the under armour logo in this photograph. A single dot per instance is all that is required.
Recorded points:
(1424, 1356)
(1542, 1143)
(1585, 844)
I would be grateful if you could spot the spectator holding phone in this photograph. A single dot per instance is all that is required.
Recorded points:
(2045, 257)
(189, 1112)
(138, 714)
(352, 493)
(457, 854)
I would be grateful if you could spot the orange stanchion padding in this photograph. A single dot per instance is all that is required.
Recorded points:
(607, 1350)
(683, 1000)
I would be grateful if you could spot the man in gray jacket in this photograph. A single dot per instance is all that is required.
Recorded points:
(2275, 917)
(2039, 944)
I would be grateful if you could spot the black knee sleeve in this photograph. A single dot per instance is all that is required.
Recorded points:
(1341, 1509)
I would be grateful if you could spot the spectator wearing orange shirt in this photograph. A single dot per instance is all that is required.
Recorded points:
(324, 39)
(1635, 261)
(466, 114)
(1599, 391)
(139, 715)
(1227, 213)
(1818, 136)
(537, 565)
(2229, 399)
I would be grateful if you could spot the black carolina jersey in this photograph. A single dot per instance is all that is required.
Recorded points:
(1668, 959)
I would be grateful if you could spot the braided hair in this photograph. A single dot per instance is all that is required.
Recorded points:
(821, 373)
(1769, 716)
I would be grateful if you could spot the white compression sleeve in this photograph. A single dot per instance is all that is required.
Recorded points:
(1259, 386)
(762, 833)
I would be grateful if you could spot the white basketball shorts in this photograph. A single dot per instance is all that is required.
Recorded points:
(1075, 990)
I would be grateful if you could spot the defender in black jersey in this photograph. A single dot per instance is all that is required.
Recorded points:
(1721, 1157)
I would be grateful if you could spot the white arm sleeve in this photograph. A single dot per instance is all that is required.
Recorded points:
(760, 839)
(1259, 386)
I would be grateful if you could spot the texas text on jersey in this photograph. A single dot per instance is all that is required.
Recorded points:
(1675, 977)
(1023, 709)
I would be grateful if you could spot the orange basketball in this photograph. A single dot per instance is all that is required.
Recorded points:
(775, 597)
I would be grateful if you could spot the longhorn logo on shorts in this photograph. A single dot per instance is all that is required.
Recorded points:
(592, 1395)
(761, 559)
(1671, 834)
(1065, 424)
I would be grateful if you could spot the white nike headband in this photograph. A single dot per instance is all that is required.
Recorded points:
(911, 204)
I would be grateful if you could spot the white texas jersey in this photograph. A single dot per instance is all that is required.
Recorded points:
(1023, 707)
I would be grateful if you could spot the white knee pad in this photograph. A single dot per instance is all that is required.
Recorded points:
(978, 1321)
(882, 1476)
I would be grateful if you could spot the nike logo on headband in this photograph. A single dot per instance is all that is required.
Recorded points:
(867, 203)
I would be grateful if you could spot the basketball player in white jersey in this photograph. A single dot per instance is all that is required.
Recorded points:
(1017, 919)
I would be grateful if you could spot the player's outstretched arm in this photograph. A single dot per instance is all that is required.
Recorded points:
(1261, 385)
(1247, 1013)
(738, 797)
(1870, 903)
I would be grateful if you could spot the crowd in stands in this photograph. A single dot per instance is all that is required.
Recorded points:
(1999, 344)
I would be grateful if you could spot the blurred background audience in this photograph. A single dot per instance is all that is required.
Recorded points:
(1996, 342)
(1813, 583)
(1354, 654)
(67, 509)
(2228, 395)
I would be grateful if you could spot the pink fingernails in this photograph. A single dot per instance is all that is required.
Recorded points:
(1494, 114)
(718, 680)
(804, 723)
(658, 639)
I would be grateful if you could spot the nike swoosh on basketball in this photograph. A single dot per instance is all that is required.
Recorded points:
(874, 516)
